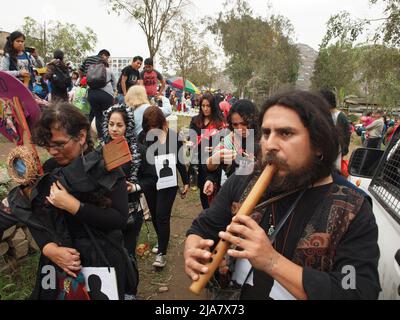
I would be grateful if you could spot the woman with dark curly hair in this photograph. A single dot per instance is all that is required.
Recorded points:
(81, 206)
(237, 150)
(120, 121)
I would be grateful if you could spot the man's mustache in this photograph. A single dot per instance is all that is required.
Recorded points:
(272, 158)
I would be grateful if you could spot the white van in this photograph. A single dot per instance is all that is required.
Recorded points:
(378, 174)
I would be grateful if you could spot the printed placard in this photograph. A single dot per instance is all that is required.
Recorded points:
(101, 283)
(166, 171)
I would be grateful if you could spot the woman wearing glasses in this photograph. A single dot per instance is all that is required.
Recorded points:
(81, 207)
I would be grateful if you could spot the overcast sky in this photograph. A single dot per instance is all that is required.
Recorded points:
(125, 38)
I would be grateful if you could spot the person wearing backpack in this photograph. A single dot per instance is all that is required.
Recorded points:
(17, 61)
(101, 86)
(59, 77)
(78, 97)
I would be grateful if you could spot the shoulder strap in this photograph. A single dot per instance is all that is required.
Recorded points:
(96, 245)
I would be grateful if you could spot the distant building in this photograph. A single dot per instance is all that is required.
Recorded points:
(3, 40)
(358, 105)
(117, 64)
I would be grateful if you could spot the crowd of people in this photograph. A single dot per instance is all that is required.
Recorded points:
(92, 218)
(376, 128)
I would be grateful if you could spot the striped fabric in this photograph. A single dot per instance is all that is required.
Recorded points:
(89, 61)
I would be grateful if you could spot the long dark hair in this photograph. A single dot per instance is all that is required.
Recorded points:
(9, 46)
(315, 115)
(249, 113)
(129, 120)
(216, 117)
(68, 117)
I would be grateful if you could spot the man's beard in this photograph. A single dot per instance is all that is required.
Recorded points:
(293, 179)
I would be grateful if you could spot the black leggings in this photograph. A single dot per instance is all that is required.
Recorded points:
(201, 181)
(160, 203)
(99, 101)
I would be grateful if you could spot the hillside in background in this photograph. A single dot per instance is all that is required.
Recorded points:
(308, 56)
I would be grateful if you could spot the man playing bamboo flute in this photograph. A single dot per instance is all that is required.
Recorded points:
(315, 238)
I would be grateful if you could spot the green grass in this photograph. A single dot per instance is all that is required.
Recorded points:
(355, 140)
(4, 188)
(18, 284)
(183, 122)
(43, 156)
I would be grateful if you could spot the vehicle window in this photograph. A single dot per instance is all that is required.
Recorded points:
(386, 184)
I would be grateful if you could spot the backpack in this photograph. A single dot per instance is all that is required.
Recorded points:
(61, 78)
(96, 76)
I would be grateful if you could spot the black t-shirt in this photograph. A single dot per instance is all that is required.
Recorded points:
(133, 76)
(147, 173)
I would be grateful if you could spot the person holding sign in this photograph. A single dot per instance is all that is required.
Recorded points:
(80, 206)
(163, 158)
(119, 121)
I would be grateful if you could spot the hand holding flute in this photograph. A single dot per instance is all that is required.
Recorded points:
(200, 264)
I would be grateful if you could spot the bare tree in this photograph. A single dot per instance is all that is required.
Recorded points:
(153, 16)
(187, 56)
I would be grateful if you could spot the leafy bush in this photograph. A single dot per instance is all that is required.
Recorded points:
(353, 118)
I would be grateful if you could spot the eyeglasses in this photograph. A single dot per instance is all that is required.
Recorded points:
(59, 146)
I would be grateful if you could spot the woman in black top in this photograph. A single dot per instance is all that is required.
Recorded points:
(120, 121)
(81, 207)
(237, 151)
(159, 140)
(207, 124)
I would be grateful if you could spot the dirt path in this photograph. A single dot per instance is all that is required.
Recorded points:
(173, 275)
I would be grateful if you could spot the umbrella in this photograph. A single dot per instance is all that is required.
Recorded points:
(177, 82)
